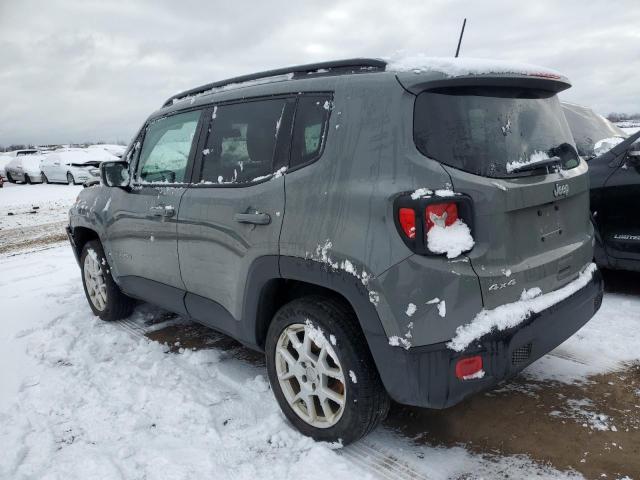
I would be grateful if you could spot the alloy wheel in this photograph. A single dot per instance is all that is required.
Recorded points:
(310, 375)
(95, 281)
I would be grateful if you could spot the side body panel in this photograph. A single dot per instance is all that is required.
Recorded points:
(340, 213)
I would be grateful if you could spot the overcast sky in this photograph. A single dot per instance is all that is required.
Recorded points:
(73, 71)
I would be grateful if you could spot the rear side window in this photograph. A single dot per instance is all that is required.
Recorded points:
(242, 141)
(166, 148)
(310, 128)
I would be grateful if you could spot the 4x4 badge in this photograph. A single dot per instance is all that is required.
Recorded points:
(561, 190)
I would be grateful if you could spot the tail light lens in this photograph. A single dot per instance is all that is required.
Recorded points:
(443, 214)
(407, 218)
(415, 217)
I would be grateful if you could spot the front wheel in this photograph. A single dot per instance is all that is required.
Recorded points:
(27, 179)
(70, 179)
(105, 297)
(44, 178)
(321, 371)
(10, 178)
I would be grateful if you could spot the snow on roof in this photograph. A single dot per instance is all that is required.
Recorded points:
(456, 67)
(82, 155)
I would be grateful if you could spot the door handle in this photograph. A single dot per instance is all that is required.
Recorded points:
(254, 218)
(163, 211)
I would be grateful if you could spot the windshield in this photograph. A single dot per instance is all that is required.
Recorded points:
(494, 131)
(593, 134)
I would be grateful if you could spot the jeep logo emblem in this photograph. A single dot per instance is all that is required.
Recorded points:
(561, 190)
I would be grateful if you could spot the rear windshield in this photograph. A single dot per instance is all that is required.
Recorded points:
(493, 131)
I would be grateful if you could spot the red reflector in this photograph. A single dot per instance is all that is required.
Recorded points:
(469, 367)
(443, 214)
(407, 219)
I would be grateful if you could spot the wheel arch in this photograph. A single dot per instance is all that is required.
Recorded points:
(265, 294)
(82, 235)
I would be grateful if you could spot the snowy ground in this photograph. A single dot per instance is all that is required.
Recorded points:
(33, 215)
(157, 397)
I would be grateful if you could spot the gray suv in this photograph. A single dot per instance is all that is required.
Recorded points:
(380, 231)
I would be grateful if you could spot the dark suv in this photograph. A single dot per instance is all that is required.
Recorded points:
(380, 231)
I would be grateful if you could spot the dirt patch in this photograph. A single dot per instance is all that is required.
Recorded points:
(592, 428)
(16, 240)
(197, 337)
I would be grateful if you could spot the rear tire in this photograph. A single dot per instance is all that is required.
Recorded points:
(329, 366)
(105, 297)
(70, 179)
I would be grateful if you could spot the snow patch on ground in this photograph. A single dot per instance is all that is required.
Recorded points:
(512, 314)
(582, 411)
(28, 205)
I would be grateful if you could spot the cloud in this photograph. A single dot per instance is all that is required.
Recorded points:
(93, 70)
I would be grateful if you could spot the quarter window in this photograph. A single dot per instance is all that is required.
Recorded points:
(242, 141)
(166, 148)
(310, 129)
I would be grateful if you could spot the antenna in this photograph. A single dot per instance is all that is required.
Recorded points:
(460, 39)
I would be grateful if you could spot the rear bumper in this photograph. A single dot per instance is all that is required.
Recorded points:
(425, 376)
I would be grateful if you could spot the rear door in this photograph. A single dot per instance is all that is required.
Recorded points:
(231, 215)
(511, 151)
(618, 215)
(141, 229)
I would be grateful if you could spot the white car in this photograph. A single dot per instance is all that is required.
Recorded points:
(4, 160)
(117, 150)
(73, 165)
(25, 167)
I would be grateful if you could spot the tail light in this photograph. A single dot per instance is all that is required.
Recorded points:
(444, 214)
(407, 218)
(469, 368)
(415, 217)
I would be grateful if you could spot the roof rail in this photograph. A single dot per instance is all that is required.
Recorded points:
(352, 65)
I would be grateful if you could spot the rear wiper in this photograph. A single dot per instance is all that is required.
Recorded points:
(547, 162)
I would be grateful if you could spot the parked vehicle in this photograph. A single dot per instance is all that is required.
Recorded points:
(593, 134)
(419, 200)
(4, 161)
(614, 171)
(117, 150)
(25, 167)
(73, 166)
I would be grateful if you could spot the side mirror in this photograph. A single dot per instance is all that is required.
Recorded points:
(115, 174)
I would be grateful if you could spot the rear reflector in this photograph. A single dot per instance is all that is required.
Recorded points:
(442, 214)
(407, 219)
(469, 368)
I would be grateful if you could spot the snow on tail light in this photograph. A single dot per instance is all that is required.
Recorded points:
(469, 368)
(407, 219)
(446, 233)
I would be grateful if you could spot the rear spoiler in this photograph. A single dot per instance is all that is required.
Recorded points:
(615, 155)
(419, 82)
